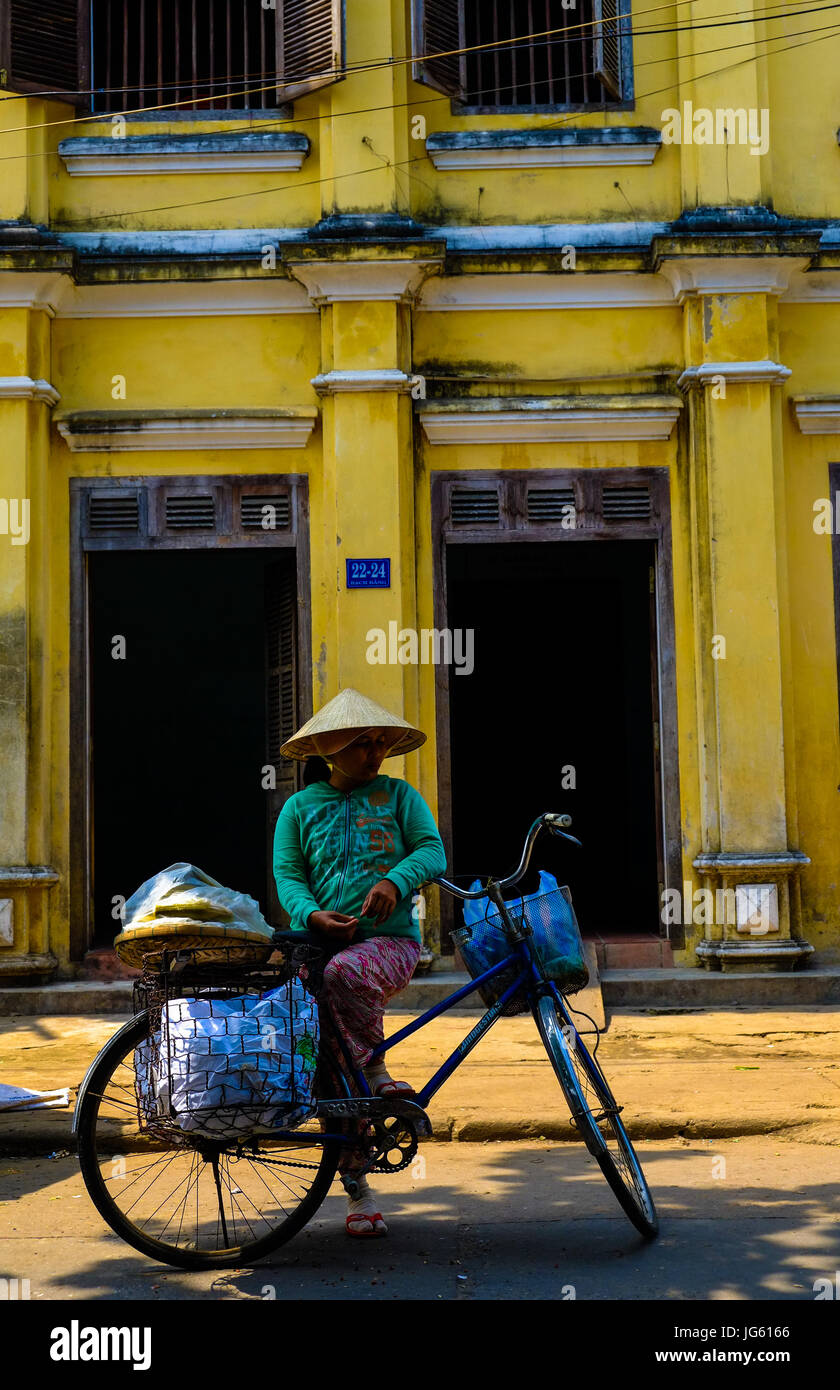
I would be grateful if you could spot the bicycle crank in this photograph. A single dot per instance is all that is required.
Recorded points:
(393, 1143)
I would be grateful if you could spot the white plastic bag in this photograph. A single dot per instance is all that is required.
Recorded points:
(184, 891)
(232, 1067)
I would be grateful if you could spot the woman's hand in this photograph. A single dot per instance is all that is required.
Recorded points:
(380, 901)
(333, 924)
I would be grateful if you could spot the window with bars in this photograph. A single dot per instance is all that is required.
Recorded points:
(524, 54)
(192, 55)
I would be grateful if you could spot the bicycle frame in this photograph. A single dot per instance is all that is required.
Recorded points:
(529, 976)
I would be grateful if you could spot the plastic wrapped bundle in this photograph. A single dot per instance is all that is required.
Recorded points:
(183, 908)
(231, 1067)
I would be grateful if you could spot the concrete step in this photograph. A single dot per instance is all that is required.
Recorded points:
(649, 953)
(714, 989)
(69, 997)
(641, 989)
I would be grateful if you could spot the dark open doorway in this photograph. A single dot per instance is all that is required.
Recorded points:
(563, 679)
(184, 725)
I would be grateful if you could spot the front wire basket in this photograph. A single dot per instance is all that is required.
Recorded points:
(550, 920)
(221, 1061)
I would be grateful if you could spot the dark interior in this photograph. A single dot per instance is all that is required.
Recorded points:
(562, 678)
(179, 724)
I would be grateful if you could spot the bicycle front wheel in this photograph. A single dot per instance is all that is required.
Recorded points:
(596, 1114)
(193, 1203)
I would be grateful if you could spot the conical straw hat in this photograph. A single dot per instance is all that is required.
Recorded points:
(341, 720)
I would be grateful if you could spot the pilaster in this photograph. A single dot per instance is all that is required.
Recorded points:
(747, 790)
(362, 505)
(26, 398)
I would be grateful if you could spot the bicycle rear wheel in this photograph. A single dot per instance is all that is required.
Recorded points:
(195, 1204)
(596, 1114)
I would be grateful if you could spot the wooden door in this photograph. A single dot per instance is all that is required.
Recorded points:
(281, 715)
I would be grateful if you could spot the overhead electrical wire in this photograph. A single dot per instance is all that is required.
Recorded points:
(401, 164)
(523, 43)
(273, 123)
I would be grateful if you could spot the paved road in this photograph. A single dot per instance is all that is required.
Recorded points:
(753, 1218)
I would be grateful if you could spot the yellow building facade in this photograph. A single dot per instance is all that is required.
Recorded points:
(550, 324)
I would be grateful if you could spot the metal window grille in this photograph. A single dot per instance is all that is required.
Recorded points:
(198, 54)
(553, 71)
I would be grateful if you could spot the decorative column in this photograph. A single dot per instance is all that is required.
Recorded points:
(362, 505)
(740, 601)
(26, 396)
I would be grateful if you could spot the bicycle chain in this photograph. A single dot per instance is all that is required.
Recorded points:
(274, 1162)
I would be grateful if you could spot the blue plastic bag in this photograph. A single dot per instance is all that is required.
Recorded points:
(555, 938)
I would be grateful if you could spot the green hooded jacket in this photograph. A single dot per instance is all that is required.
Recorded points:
(331, 847)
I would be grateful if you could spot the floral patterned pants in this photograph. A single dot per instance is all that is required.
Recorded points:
(358, 982)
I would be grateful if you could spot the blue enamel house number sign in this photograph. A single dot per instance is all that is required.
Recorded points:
(368, 574)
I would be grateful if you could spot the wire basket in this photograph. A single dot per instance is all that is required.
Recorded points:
(232, 1047)
(555, 940)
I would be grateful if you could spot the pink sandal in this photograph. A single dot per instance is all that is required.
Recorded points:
(376, 1226)
(395, 1088)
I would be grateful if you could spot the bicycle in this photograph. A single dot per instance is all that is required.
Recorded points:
(252, 1194)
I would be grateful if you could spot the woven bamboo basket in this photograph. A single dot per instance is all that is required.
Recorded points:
(137, 945)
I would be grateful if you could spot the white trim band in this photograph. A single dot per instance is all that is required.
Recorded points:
(548, 425)
(228, 152)
(733, 373)
(817, 414)
(187, 299)
(543, 156)
(386, 379)
(526, 292)
(104, 166)
(331, 282)
(730, 274)
(121, 435)
(27, 388)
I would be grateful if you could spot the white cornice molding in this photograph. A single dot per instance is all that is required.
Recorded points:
(332, 282)
(27, 388)
(187, 299)
(33, 289)
(817, 414)
(543, 156)
(487, 422)
(110, 166)
(813, 287)
(230, 152)
(730, 274)
(527, 292)
(124, 434)
(709, 373)
(386, 379)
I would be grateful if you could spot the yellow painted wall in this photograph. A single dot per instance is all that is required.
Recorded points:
(368, 490)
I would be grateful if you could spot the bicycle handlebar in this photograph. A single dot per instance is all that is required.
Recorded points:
(551, 820)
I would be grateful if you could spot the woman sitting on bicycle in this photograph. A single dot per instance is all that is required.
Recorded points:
(362, 842)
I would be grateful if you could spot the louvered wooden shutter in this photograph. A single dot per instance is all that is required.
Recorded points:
(438, 27)
(44, 46)
(606, 56)
(281, 714)
(309, 45)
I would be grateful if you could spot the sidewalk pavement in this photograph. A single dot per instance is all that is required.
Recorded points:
(689, 1073)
